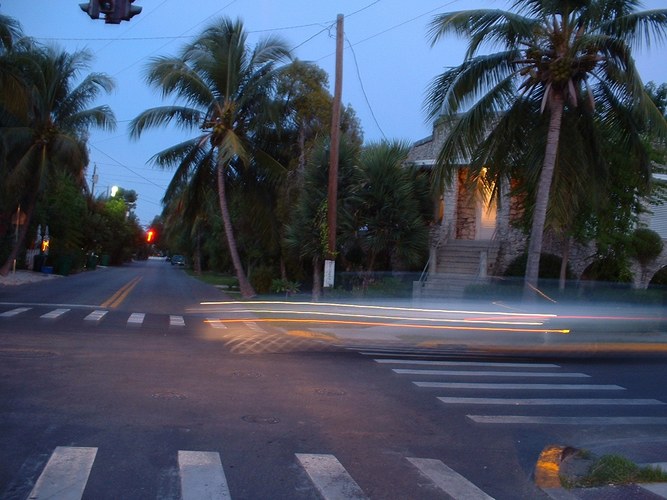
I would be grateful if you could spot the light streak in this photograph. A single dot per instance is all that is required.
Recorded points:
(389, 325)
(371, 316)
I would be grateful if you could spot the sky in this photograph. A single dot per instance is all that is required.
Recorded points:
(388, 64)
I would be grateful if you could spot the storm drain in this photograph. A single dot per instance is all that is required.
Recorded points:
(330, 392)
(168, 395)
(258, 419)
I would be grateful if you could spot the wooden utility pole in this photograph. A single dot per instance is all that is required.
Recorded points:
(332, 199)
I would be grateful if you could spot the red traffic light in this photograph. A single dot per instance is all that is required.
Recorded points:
(150, 236)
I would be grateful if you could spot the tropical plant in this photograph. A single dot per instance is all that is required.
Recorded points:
(47, 134)
(555, 56)
(226, 91)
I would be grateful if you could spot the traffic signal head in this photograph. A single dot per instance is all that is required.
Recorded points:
(114, 11)
(150, 236)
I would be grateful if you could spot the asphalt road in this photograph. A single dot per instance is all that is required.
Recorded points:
(285, 413)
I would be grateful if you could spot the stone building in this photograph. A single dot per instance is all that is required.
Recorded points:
(475, 237)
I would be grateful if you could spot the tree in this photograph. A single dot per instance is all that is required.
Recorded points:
(226, 89)
(47, 134)
(387, 219)
(559, 55)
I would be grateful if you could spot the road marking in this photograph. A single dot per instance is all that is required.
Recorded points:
(117, 298)
(254, 326)
(54, 314)
(14, 312)
(65, 474)
(202, 476)
(521, 419)
(448, 480)
(136, 319)
(96, 315)
(575, 387)
(176, 320)
(546, 401)
(329, 477)
(464, 373)
(216, 323)
(463, 363)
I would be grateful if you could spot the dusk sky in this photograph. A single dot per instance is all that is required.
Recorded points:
(388, 63)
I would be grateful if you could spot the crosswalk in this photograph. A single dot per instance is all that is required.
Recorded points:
(95, 317)
(471, 385)
(202, 475)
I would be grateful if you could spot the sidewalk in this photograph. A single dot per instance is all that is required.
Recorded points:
(22, 277)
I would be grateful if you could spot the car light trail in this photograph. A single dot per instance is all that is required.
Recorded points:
(388, 325)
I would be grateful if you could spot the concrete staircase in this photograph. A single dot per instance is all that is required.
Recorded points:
(460, 263)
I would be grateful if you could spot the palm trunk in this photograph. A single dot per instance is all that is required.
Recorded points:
(317, 279)
(563, 264)
(247, 291)
(20, 242)
(556, 107)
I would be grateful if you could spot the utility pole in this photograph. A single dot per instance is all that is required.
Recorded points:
(332, 198)
(92, 191)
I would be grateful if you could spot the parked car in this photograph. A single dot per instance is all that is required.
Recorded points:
(177, 260)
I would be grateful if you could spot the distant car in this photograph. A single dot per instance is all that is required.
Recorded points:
(177, 260)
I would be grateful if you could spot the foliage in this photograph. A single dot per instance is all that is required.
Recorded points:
(549, 267)
(646, 245)
(616, 469)
(285, 286)
(262, 279)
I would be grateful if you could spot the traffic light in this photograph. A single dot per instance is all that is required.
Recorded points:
(150, 236)
(114, 11)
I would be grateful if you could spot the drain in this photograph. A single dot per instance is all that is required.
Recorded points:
(330, 392)
(257, 419)
(168, 395)
(247, 374)
(27, 353)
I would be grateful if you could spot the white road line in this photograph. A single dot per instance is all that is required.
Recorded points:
(202, 476)
(14, 312)
(448, 480)
(216, 323)
(96, 315)
(464, 373)
(54, 314)
(546, 401)
(330, 477)
(521, 419)
(574, 387)
(136, 319)
(463, 363)
(253, 326)
(176, 320)
(65, 474)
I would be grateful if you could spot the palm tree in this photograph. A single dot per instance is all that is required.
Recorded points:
(556, 56)
(47, 135)
(226, 90)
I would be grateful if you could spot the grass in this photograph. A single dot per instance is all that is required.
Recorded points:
(216, 279)
(617, 470)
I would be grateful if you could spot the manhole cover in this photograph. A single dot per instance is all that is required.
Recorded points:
(257, 419)
(242, 374)
(26, 353)
(168, 395)
(330, 392)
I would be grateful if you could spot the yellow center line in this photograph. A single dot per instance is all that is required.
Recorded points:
(117, 298)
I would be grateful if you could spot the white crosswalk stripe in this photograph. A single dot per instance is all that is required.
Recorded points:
(524, 419)
(202, 476)
(479, 364)
(56, 313)
(65, 475)
(502, 387)
(330, 477)
(136, 319)
(551, 401)
(14, 312)
(176, 320)
(96, 316)
(448, 480)
(489, 373)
